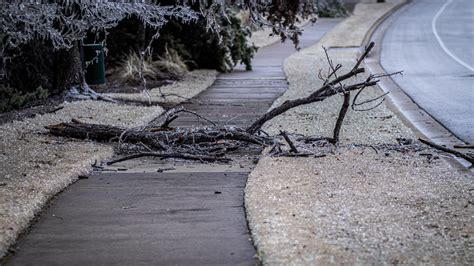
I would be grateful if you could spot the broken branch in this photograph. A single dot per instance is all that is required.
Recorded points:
(172, 115)
(185, 156)
(464, 146)
(340, 118)
(290, 143)
(153, 139)
(448, 150)
(327, 90)
(320, 95)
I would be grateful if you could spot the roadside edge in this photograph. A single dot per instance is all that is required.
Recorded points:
(411, 114)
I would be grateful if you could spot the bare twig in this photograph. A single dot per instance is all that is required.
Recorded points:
(372, 77)
(355, 103)
(363, 56)
(340, 118)
(168, 121)
(289, 154)
(347, 95)
(76, 121)
(317, 96)
(232, 119)
(314, 139)
(275, 146)
(172, 115)
(164, 95)
(288, 140)
(55, 109)
(383, 75)
(171, 155)
(322, 93)
(448, 150)
(332, 71)
(464, 146)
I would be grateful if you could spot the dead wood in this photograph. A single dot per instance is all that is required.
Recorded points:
(329, 88)
(448, 150)
(464, 146)
(173, 114)
(185, 156)
(105, 133)
(340, 118)
(311, 139)
(319, 95)
(211, 143)
(347, 97)
(288, 140)
(154, 139)
(291, 154)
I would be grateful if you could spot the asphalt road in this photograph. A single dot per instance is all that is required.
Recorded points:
(432, 41)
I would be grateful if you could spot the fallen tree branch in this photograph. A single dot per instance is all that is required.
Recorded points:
(185, 156)
(448, 150)
(327, 90)
(309, 139)
(211, 143)
(288, 140)
(319, 95)
(464, 146)
(105, 133)
(291, 154)
(154, 139)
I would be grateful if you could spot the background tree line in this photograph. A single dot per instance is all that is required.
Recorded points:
(40, 40)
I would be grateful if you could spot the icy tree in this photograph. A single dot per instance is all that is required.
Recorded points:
(63, 23)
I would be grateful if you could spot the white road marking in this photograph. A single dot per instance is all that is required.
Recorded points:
(441, 43)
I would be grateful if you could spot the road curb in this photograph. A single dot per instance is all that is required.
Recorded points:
(412, 115)
(373, 28)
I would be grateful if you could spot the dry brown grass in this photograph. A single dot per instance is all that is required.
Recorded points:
(133, 69)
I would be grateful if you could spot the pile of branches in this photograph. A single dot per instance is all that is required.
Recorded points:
(203, 143)
(214, 142)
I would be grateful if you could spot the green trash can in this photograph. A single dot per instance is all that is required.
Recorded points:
(94, 63)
